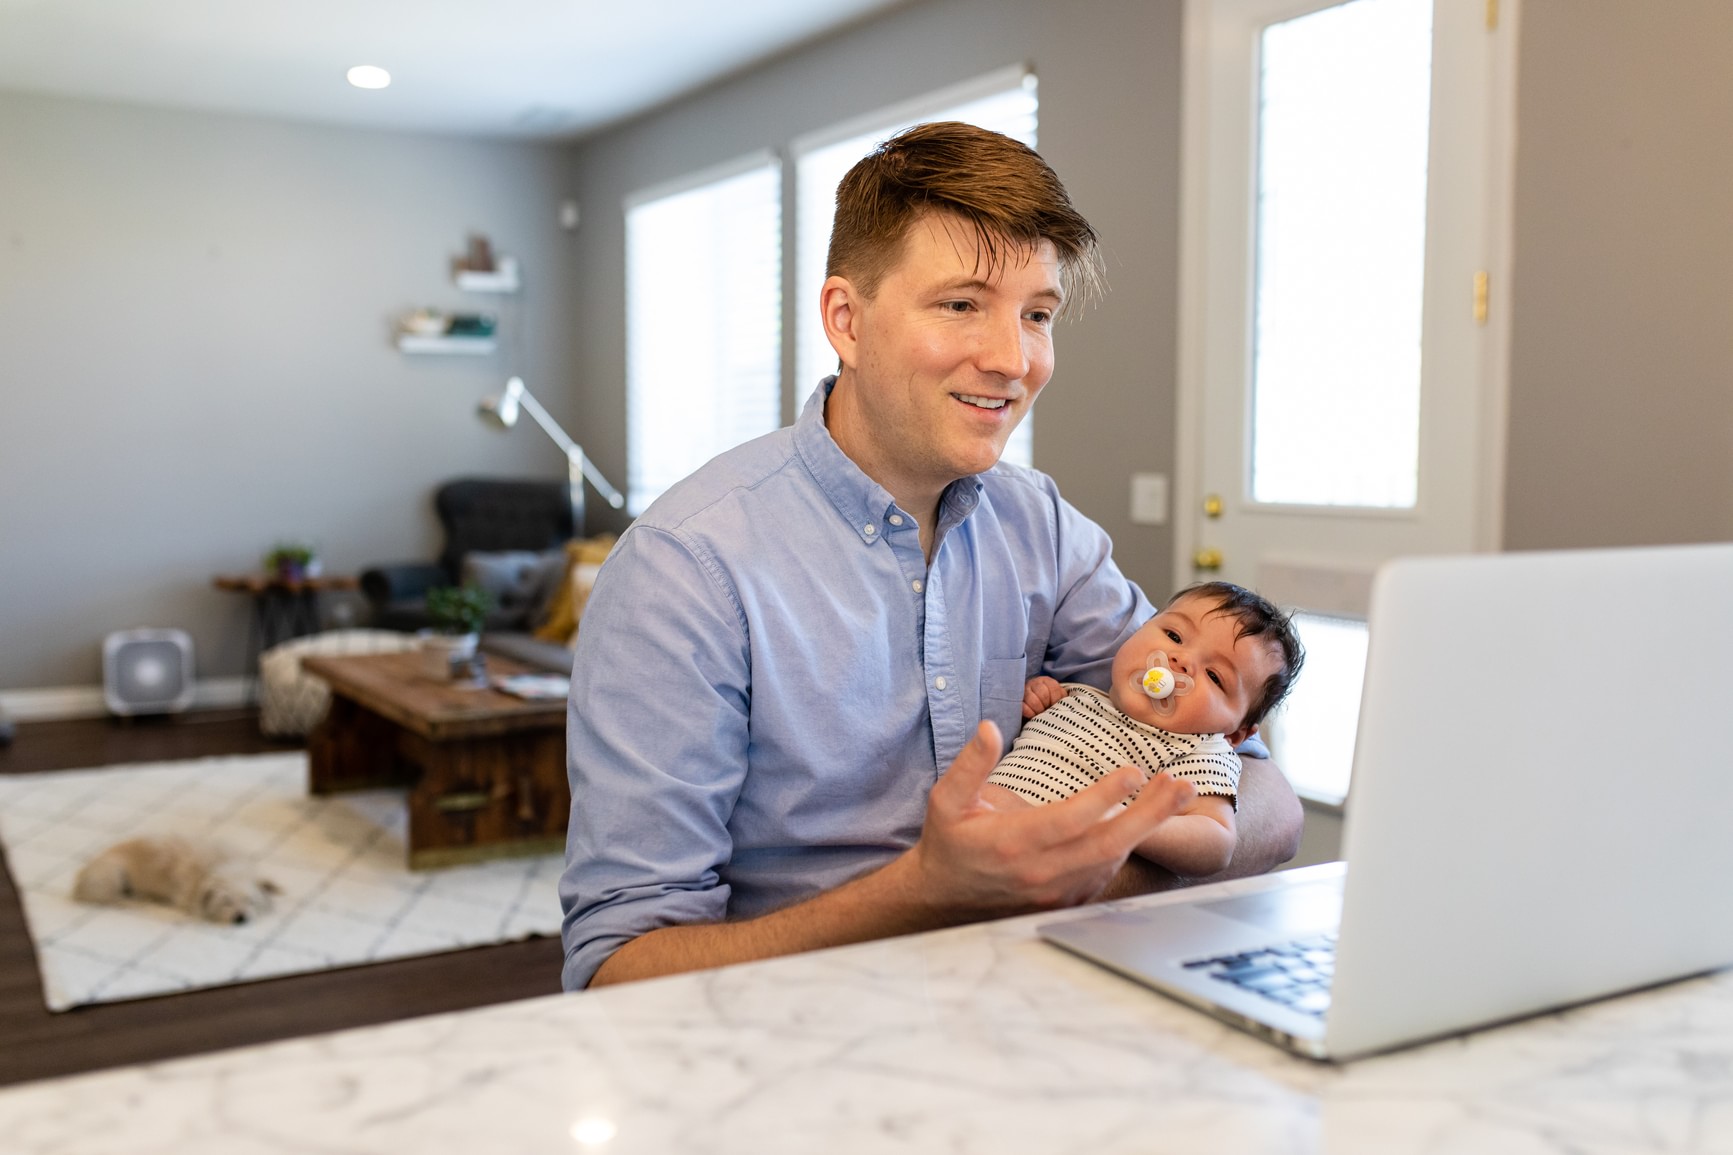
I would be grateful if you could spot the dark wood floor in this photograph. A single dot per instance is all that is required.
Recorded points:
(35, 1044)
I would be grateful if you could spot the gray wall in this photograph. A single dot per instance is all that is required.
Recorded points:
(1110, 88)
(196, 359)
(1621, 414)
(1621, 401)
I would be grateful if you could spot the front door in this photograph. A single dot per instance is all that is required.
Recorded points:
(1344, 221)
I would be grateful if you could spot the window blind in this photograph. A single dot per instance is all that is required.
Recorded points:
(703, 321)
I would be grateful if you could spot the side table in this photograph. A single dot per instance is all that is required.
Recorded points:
(283, 608)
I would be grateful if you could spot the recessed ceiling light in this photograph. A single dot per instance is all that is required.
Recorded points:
(369, 76)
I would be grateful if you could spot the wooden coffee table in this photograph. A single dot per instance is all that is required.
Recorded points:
(486, 771)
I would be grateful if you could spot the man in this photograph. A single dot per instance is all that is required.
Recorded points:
(785, 650)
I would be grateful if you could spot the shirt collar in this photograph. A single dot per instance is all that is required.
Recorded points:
(864, 503)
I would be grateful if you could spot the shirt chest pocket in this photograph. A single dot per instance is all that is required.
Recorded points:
(1002, 696)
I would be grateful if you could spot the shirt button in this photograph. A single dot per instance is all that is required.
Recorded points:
(896, 519)
(917, 585)
(939, 682)
(870, 530)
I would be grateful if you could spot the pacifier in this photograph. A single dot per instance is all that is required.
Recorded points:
(1163, 684)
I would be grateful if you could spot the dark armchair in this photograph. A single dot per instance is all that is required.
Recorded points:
(480, 515)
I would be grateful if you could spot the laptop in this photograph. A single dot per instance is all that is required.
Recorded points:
(1538, 814)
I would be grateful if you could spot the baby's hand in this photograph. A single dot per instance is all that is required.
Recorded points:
(1040, 693)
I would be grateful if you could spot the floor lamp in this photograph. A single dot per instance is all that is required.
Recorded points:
(503, 412)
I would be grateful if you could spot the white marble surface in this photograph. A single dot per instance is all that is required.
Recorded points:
(980, 1039)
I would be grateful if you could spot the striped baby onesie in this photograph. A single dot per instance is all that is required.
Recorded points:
(1081, 738)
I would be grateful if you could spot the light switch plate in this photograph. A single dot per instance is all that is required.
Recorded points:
(1149, 498)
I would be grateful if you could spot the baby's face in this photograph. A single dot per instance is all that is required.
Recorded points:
(1227, 672)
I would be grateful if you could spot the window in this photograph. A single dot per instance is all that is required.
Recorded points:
(703, 321)
(1343, 129)
(1004, 101)
(1312, 734)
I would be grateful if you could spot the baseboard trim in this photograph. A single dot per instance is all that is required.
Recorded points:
(58, 703)
(221, 693)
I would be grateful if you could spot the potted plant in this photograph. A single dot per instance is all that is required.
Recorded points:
(292, 561)
(458, 613)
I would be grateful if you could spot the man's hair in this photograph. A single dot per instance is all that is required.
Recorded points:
(1255, 616)
(998, 186)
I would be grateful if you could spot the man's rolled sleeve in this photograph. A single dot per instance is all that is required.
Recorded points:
(656, 749)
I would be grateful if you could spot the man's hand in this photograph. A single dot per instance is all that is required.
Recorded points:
(976, 861)
(1039, 693)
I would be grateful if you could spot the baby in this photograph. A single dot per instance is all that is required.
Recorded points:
(1188, 687)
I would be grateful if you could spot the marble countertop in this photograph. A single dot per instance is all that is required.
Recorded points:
(979, 1039)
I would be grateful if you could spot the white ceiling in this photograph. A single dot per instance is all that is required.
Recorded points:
(517, 68)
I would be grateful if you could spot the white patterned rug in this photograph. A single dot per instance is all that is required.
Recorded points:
(348, 896)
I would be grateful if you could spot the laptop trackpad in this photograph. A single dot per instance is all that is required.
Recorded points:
(1289, 911)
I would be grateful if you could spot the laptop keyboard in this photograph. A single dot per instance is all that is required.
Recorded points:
(1296, 974)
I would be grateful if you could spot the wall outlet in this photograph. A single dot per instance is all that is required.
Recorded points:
(1149, 498)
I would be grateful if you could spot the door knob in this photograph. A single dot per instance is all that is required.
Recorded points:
(1212, 505)
(1207, 560)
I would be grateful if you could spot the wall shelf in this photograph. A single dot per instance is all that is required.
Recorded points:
(504, 279)
(419, 343)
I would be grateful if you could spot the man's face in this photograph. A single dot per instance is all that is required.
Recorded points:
(1227, 672)
(945, 360)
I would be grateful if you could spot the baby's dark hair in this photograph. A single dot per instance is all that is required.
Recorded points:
(1256, 617)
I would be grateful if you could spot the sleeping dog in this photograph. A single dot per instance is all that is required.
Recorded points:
(199, 879)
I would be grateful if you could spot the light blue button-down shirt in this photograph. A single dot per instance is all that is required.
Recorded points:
(770, 677)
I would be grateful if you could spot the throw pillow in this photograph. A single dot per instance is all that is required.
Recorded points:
(551, 589)
(584, 557)
(519, 580)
